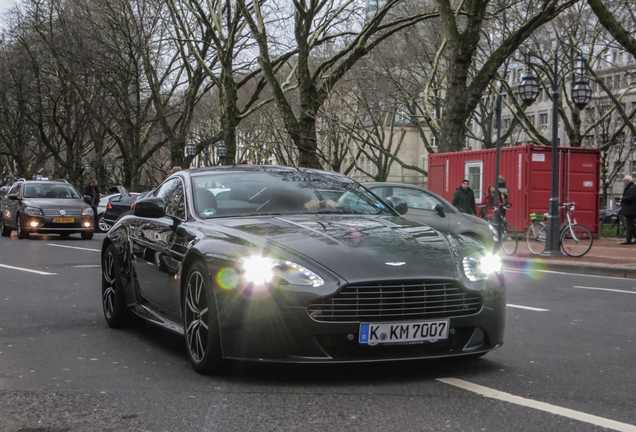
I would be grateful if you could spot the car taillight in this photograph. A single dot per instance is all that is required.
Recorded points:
(132, 207)
(109, 207)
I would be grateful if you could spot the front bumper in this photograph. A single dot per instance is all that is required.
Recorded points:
(46, 225)
(270, 331)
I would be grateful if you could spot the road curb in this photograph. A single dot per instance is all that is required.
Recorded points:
(566, 267)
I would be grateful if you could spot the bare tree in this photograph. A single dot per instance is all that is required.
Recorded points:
(316, 23)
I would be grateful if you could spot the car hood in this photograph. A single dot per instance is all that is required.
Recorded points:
(356, 248)
(55, 203)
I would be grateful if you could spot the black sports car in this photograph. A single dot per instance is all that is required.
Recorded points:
(297, 265)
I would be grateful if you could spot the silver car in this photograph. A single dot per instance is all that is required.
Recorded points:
(433, 210)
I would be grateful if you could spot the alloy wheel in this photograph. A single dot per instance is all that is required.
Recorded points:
(196, 317)
(108, 294)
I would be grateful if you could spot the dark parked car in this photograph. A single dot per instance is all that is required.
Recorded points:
(256, 263)
(118, 205)
(45, 207)
(429, 208)
(113, 193)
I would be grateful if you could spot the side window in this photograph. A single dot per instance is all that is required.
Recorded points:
(172, 193)
(473, 172)
(16, 189)
(414, 198)
(380, 191)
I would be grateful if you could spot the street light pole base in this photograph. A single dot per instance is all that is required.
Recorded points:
(549, 253)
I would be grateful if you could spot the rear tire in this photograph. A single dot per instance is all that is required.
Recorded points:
(612, 226)
(101, 225)
(22, 234)
(200, 322)
(535, 238)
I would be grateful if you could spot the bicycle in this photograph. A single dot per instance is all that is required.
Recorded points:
(575, 239)
(613, 225)
(506, 233)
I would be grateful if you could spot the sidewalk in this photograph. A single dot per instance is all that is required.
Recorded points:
(606, 258)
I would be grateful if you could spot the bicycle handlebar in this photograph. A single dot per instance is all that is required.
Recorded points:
(506, 205)
(568, 204)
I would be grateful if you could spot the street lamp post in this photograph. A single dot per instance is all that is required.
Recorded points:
(581, 94)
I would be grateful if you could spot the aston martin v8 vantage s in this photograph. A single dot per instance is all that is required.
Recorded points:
(297, 265)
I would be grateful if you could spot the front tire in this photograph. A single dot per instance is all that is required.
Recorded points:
(4, 230)
(116, 312)
(200, 322)
(87, 235)
(509, 240)
(22, 234)
(576, 240)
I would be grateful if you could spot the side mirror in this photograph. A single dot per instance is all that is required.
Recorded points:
(398, 204)
(150, 208)
(440, 210)
(87, 199)
(12, 196)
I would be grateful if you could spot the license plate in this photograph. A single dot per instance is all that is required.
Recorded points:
(63, 220)
(397, 333)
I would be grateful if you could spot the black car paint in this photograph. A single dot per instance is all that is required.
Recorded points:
(155, 253)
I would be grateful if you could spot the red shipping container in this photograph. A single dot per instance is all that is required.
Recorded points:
(527, 171)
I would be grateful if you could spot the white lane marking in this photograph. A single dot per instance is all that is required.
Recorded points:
(541, 406)
(74, 247)
(563, 273)
(28, 270)
(86, 266)
(528, 308)
(605, 289)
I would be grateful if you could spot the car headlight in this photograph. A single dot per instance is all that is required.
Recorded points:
(33, 211)
(259, 270)
(479, 266)
(87, 212)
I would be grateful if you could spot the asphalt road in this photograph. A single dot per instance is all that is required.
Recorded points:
(568, 364)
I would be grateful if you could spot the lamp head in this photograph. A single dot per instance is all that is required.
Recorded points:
(529, 88)
(581, 92)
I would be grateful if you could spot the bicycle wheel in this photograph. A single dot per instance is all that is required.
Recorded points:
(576, 240)
(535, 238)
(620, 226)
(612, 226)
(509, 240)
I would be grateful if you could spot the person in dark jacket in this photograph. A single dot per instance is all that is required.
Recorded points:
(92, 190)
(628, 208)
(464, 199)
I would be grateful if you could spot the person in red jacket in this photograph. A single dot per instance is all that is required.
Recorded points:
(489, 201)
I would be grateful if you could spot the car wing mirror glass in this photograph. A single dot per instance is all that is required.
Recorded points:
(398, 204)
(440, 210)
(12, 196)
(150, 208)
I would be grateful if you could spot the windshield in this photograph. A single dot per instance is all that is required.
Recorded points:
(50, 191)
(281, 192)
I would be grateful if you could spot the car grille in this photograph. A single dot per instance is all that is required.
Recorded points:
(48, 212)
(397, 301)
